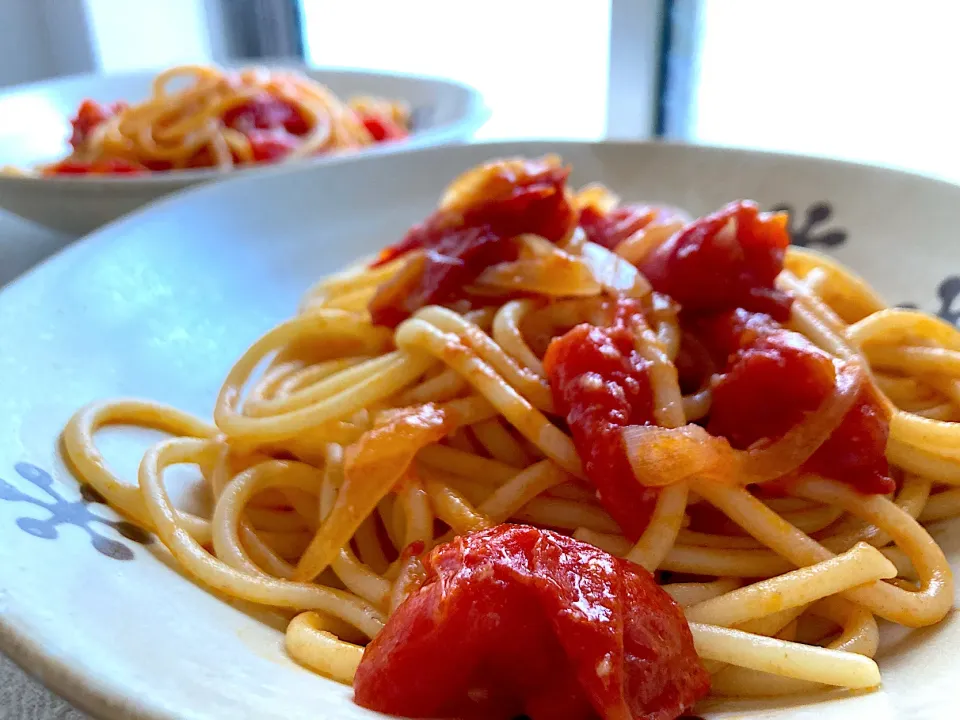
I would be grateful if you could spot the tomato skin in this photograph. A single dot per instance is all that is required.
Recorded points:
(382, 129)
(768, 387)
(270, 145)
(726, 333)
(772, 378)
(272, 126)
(724, 261)
(458, 245)
(536, 204)
(856, 451)
(612, 228)
(90, 113)
(441, 275)
(515, 620)
(600, 385)
(266, 112)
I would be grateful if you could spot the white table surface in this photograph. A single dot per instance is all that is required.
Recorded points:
(23, 245)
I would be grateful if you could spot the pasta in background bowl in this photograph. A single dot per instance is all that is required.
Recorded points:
(121, 314)
(66, 144)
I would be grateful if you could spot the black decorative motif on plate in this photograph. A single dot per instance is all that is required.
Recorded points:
(948, 291)
(65, 512)
(811, 232)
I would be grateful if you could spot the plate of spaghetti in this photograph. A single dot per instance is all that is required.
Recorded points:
(545, 430)
(78, 152)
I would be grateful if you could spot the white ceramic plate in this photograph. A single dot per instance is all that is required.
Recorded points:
(161, 303)
(36, 124)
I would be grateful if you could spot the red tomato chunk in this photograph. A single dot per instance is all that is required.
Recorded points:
(515, 620)
(89, 115)
(612, 228)
(265, 112)
(600, 385)
(774, 377)
(382, 129)
(270, 145)
(723, 261)
(459, 245)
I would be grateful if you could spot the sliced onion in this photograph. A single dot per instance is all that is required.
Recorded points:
(373, 465)
(492, 181)
(596, 196)
(543, 268)
(411, 575)
(396, 289)
(636, 247)
(666, 456)
(613, 272)
(530, 245)
(551, 277)
(661, 456)
(574, 243)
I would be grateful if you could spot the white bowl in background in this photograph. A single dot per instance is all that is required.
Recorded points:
(35, 125)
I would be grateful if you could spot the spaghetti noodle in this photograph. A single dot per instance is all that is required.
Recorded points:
(203, 117)
(747, 422)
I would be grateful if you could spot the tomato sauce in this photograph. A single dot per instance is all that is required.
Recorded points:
(519, 621)
(600, 385)
(111, 166)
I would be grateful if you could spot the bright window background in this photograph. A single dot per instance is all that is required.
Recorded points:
(170, 32)
(542, 64)
(855, 79)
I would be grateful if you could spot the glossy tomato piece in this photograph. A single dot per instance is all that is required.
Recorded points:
(89, 115)
(726, 333)
(270, 145)
(855, 453)
(459, 244)
(612, 228)
(382, 129)
(724, 261)
(266, 112)
(440, 275)
(773, 378)
(600, 385)
(519, 621)
(769, 387)
(533, 203)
